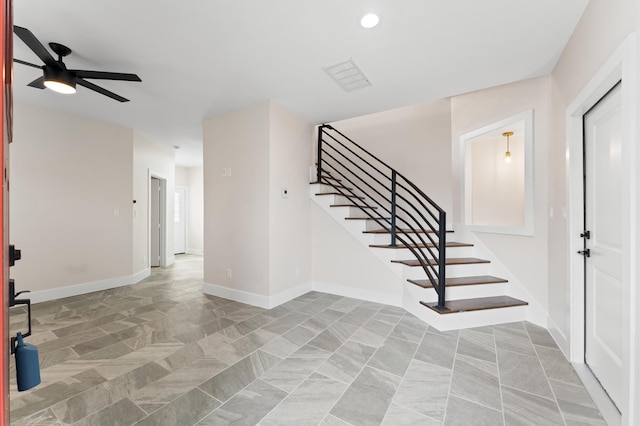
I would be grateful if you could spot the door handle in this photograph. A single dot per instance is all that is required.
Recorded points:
(585, 253)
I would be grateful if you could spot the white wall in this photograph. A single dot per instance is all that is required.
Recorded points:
(150, 159)
(289, 218)
(415, 140)
(525, 257)
(343, 266)
(236, 232)
(264, 239)
(195, 233)
(70, 200)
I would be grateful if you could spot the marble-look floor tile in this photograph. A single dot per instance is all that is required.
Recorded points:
(160, 351)
(477, 344)
(513, 339)
(437, 349)
(178, 383)
(476, 381)
(186, 410)
(425, 389)
(235, 378)
(334, 336)
(393, 356)
(331, 420)
(280, 347)
(576, 404)
(307, 405)
(47, 396)
(522, 408)
(247, 407)
(461, 412)
(41, 418)
(359, 315)
(373, 333)
(123, 412)
(286, 323)
(365, 402)
(345, 364)
(398, 415)
(292, 371)
(409, 328)
(556, 366)
(524, 373)
(346, 305)
(540, 336)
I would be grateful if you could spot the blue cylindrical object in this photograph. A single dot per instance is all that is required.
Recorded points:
(27, 365)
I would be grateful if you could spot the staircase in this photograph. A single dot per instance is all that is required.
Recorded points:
(446, 284)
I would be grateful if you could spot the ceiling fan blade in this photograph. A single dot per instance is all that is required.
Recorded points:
(100, 90)
(18, 61)
(38, 83)
(104, 75)
(34, 44)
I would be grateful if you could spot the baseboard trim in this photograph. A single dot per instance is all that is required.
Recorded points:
(89, 287)
(259, 300)
(197, 252)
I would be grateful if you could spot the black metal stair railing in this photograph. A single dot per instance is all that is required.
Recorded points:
(396, 204)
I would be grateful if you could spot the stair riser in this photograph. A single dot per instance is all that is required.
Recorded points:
(466, 292)
(404, 253)
(357, 212)
(341, 199)
(386, 238)
(417, 273)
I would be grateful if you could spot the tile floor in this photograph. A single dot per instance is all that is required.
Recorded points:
(162, 353)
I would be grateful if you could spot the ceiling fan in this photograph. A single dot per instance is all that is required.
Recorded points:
(57, 77)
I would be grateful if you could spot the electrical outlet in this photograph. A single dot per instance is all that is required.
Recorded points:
(229, 274)
(144, 260)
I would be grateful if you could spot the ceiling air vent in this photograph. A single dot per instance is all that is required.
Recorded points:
(348, 76)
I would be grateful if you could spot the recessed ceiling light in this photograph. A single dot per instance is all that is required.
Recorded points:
(369, 20)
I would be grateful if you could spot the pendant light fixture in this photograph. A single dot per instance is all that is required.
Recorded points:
(507, 155)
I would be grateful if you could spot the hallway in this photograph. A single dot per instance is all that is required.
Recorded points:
(160, 352)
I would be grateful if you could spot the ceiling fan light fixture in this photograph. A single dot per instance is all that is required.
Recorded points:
(61, 81)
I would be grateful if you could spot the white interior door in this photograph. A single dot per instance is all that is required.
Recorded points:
(180, 220)
(154, 223)
(604, 320)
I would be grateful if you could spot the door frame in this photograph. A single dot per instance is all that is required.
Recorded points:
(163, 216)
(620, 66)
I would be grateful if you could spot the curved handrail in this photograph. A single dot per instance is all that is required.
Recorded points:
(416, 222)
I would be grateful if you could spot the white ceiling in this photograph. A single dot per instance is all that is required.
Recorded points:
(199, 58)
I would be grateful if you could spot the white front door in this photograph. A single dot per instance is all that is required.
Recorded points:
(180, 220)
(604, 301)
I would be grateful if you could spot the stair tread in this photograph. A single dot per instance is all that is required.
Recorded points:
(477, 304)
(462, 281)
(448, 261)
(400, 246)
(399, 231)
